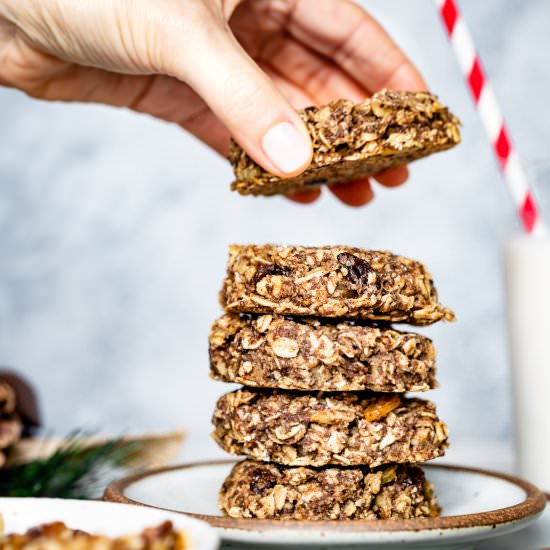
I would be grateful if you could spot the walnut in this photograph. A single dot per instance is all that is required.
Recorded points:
(263, 322)
(380, 407)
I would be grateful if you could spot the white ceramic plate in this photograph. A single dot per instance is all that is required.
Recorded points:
(476, 504)
(103, 518)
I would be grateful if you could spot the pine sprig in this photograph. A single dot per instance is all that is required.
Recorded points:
(74, 470)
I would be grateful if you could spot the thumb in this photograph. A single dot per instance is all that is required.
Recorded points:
(247, 102)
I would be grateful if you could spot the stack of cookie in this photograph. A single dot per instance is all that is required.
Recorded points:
(323, 418)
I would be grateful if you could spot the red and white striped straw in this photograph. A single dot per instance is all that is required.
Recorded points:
(491, 116)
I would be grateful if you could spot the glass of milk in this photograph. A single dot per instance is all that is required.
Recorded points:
(527, 273)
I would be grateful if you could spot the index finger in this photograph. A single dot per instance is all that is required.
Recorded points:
(344, 32)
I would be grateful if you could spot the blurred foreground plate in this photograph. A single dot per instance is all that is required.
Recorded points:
(102, 518)
(477, 505)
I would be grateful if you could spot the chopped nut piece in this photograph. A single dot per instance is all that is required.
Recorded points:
(279, 495)
(380, 407)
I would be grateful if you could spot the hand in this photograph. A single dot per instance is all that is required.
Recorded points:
(215, 67)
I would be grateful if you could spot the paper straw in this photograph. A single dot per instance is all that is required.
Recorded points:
(491, 116)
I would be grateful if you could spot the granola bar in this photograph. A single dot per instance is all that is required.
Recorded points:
(260, 490)
(271, 351)
(352, 141)
(316, 429)
(330, 281)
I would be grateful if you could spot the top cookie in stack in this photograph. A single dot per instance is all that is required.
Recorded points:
(330, 281)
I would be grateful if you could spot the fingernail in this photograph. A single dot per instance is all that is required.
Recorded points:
(286, 147)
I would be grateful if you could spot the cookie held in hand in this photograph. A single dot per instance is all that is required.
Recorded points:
(352, 141)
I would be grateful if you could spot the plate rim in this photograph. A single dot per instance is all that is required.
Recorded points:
(533, 504)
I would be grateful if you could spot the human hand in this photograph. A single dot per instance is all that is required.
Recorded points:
(215, 67)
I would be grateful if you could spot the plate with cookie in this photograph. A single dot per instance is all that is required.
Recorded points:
(252, 502)
(334, 438)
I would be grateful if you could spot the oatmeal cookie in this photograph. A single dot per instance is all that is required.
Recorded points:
(352, 141)
(260, 490)
(272, 351)
(57, 536)
(330, 281)
(316, 429)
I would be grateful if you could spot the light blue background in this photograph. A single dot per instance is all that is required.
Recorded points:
(114, 231)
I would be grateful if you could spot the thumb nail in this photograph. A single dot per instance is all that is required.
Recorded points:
(287, 147)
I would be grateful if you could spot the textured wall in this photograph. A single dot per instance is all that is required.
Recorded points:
(114, 230)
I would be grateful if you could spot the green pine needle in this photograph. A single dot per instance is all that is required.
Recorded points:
(74, 470)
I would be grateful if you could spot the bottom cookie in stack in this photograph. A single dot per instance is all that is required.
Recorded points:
(266, 490)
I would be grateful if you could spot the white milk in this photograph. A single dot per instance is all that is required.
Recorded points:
(527, 266)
